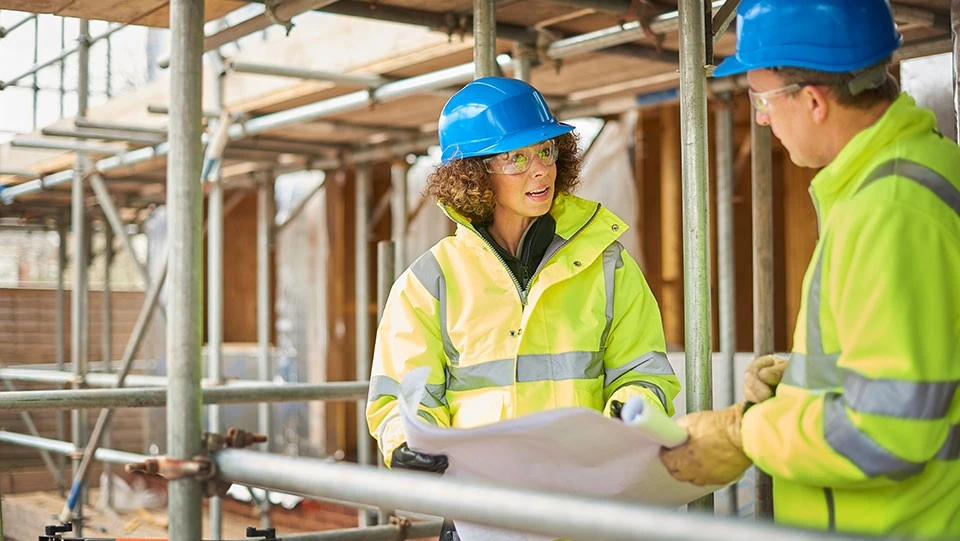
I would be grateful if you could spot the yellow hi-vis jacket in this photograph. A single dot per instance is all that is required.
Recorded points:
(863, 434)
(586, 331)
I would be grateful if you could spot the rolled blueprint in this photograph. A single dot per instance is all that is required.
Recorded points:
(639, 413)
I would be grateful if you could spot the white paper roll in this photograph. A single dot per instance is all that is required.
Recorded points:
(637, 412)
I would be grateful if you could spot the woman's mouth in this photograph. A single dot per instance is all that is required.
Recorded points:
(539, 194)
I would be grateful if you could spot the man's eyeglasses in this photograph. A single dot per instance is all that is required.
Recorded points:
(761, 100)
(518, 161)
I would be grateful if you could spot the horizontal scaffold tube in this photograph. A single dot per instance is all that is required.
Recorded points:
(386, 532)
(157, 396)
(552, 514)
(67, 448)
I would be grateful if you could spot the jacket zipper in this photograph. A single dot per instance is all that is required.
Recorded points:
(522, 291)
(831, 510)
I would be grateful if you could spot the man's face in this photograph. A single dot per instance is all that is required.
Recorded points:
(788, 114)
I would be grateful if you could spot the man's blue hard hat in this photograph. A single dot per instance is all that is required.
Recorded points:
(823, 35)
(495, 114)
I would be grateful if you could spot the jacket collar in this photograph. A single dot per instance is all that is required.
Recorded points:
(842, 177)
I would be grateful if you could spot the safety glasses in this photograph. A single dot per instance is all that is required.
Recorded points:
(761, 100)
(518, 161)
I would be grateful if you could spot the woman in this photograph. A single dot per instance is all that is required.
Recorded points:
(533, 304)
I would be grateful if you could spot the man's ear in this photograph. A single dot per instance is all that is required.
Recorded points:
(815, 99)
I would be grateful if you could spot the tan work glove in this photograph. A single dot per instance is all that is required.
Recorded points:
(762, 377)
(714, 453)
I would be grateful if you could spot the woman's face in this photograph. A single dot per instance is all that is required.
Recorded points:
(526, 194)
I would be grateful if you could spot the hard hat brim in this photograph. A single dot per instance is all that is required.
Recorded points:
(510, 142)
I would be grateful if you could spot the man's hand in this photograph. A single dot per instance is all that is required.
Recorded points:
(408, 459)
(762, 377)
(714, 454)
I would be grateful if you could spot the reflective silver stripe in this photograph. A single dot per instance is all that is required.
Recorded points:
(921, 174)
(951, 447)
(529, 368)
(654, 363)
(612, 260)
(559, 366)
(428, 272)
(814, 341)
(479, 376)
(814, 372)
(381, 386)
(860, 449)
(656, 390)
(877, 396)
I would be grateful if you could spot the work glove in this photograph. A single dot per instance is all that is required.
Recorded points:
(762, 377)
(713, 454)
(408, 459)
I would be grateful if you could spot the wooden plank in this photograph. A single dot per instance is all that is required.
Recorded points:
(670, 224)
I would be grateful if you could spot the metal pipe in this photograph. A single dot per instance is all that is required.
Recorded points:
(116, 126)
(265, 217)
(107, 380)
(27, 420)
(66, 145)
(725, 264)
(386, 274)
(150, 397)
(65, 448)
(298, 210)
(523, 57)
(363, 80)
(5, 31)
(484, 38)
(61, 342)
(398, 216)
(358, 100)
(184, 215)
(696, 213)
(63, 65)
(551, 514)
(117, 226)
(616, 35)
(761, 187)
(79, 299)
(105, 135)
(385, 532)
(955, 31)
(84, 43)
(279, 14)
(103, 421)
(106, 348)
(36, 57)
(363, 180)
(215, 293)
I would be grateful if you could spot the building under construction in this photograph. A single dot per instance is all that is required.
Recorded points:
(241, 182)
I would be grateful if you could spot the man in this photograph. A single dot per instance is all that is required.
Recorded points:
(863, 432)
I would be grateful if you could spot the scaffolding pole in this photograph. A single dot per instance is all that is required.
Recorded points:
(5, 31)
(725, 264)
(62, 229)
(66, 448)
(79, 296)
(265, 217)
(215, 290)
(108, 380)
(184, 200)
(27, 420)
(386, 532)
(106, 346)
(762, 216)
(152, 397)
(696, 213)
(550, 514)
(363, 182)
(485, 38)
(398, 217)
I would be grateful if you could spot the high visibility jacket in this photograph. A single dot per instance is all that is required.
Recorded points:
(863, 434)
(586, 330)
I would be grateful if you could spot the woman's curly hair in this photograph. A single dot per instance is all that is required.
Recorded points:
(464, 184)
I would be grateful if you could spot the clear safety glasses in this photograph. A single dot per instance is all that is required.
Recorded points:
(761, 100)
(518, 161)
